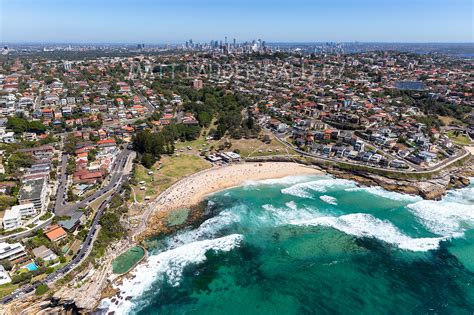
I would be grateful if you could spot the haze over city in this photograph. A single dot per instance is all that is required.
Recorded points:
(163, 21)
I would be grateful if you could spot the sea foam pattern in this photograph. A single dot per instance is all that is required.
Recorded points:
(365, 225)
(167, 265)
(328, 199)
(380, 192)
(443, 217)
(304, 190)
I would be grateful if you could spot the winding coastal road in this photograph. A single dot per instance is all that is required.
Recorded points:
(118, 176)
(461, 154)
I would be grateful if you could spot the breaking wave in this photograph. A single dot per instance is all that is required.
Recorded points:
(443, 217)
(365, 225)
(304, 190)
(380, 192)
(169, 266)
(287, 180)
(328, 199)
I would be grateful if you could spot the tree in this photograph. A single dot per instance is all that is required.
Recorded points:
(70, 144)
(41, 289)
(17, 124)
(205, 119)
(18, 160)
(148, 160)
(20, 125)
(250, 123)
(6, 264)
(36, 127)
(266, 139)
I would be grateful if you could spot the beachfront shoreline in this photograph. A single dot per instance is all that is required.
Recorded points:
(191, 190)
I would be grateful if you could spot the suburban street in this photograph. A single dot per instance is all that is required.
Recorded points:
(118, 176)
(67, 209)
(461, 154)
(62, 186)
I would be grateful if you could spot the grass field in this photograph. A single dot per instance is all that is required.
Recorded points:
(172, 169)
(447, 120)
(96, 203)
(187, 161)
(256, 147)
(458, 139)
(7, 288)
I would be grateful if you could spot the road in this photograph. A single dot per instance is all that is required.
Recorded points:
(59, 205)
(117, 169)
(461, 154)
(148, 104)
(115, 184)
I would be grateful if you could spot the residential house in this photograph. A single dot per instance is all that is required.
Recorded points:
(44, 253)
(55, 233)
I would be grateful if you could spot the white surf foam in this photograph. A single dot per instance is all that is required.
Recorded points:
(463, 195)
(379, 191)
(304, 190)
(365, 225)
(284, 215)
(287, 180)
(328, 199)
(443, 217)
(208, 229)
(167, 265)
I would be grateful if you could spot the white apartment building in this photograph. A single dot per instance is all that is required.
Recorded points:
(34, 191)
(26, 210)
(4, 277)
(11, 251)
(11, 219)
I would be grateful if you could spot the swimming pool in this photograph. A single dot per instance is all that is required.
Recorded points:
(31, 266)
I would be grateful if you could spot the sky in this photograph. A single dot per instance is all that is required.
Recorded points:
(173, 21)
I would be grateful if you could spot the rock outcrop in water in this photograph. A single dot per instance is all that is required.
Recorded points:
(433, 188)
(160, 221)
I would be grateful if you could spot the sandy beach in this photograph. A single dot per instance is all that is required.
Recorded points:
(192, 189)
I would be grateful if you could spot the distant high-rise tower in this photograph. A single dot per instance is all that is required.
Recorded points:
(234, 43)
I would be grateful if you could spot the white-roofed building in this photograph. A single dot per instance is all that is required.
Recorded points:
(11, 219)
(4, 277)
(11, 251)
(26, 210)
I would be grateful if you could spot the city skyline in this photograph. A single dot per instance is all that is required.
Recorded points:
(301, 21)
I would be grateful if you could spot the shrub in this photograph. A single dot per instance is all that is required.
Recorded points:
(41, 289)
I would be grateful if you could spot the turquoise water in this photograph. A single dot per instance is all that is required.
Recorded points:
(313, 245)
(31, 266)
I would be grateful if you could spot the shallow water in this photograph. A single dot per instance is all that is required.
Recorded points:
(313, 245)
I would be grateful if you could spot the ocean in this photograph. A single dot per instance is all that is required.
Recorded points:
(312, 245)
